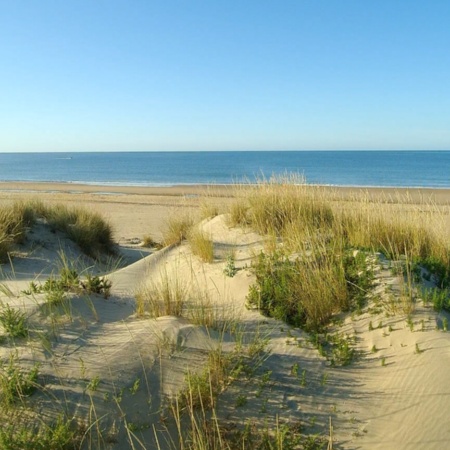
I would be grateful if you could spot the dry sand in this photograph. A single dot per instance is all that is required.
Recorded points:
(391, 398)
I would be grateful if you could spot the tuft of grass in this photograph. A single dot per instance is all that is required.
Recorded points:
(238, 214)
(149, 242)
(201, 245)
(86, 228)
(15, 382)
(177, 228)
(14, 322)
(165, 297)
(439, 298)
(15, 220)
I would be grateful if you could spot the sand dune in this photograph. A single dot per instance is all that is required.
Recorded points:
(393, 396)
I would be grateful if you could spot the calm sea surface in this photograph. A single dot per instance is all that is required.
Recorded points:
(340, 168)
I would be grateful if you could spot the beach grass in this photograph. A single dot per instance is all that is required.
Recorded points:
(88, 229)
(177, 227)
(201, 245)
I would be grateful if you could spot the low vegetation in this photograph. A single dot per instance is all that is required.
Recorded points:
(177, 228)
(201, 245)
(322, 266)
(86, 228)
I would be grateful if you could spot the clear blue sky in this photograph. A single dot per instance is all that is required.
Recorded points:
(107, 75)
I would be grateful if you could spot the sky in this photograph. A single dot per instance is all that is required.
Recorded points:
(143, 75)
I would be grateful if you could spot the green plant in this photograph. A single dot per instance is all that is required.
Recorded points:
(445, 324)
(55, 296)
(241, 400)
(14, 322)
(343, 352)
(230, 267)
(295, 291)
(68, 278)
(439, 298)
(15, 382)
(60, 435)
(93, 384)
(439, 268)
(135, 388)
(94, 284)
(303, 381)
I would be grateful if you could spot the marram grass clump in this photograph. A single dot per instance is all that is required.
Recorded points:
(15, 220)
(177, 228)
(201, 245)
(88, 229)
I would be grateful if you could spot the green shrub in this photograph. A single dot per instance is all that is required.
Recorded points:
(275, 292)
(230, 267)
(359, 277)
(440, 270)
(439, 298)
(69, 281)
(94, 284)
(14, 322)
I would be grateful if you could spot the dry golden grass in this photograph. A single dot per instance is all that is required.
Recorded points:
(164, 297)
(176, 228)
(201, 245)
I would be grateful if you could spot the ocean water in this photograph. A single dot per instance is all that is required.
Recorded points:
(429, 169)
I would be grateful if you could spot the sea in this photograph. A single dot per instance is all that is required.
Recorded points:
(425, 169)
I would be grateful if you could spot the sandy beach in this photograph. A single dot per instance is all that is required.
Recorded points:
(110, 356)
(137, 211)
